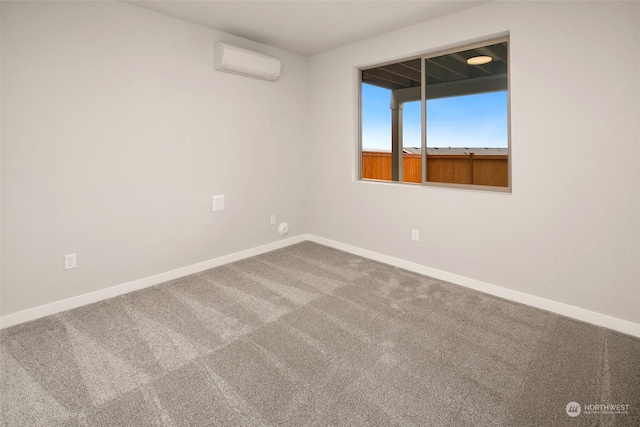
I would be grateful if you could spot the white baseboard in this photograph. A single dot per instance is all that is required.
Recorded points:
(567, 310)
(114, 291)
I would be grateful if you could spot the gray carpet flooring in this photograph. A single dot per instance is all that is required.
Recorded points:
(311, 336)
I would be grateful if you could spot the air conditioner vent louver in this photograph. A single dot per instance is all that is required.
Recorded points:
(246, 62)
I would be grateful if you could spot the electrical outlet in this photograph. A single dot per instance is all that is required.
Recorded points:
(273, 220)
(415, 235)
(69, 261)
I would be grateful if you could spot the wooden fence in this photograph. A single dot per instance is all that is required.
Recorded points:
(451, 168)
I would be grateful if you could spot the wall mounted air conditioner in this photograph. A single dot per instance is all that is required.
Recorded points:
(243, 61)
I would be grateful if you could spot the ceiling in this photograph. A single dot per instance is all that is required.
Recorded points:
(447, 68)
(306, 27)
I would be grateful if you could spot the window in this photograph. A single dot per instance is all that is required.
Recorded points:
(438, 119)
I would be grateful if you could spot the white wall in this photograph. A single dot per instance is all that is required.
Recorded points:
(570, 230)
(116, 132)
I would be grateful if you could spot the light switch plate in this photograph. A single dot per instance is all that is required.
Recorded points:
(218, 203)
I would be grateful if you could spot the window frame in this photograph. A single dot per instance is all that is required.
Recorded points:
(423, 125)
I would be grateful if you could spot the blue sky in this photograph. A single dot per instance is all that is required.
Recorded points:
(463, 121)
